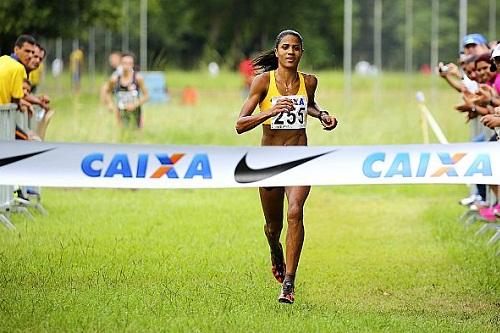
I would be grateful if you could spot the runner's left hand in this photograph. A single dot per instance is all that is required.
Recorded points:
(328, 122)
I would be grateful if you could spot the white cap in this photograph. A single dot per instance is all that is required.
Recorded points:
(496, 52)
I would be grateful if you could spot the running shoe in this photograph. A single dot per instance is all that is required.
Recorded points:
(470, 200)
(279, 267)
(477, 205)
(287, 294)
(488, 214)
(32, 191)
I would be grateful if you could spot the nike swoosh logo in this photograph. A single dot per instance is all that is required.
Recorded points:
(244, 174)
(13, 159)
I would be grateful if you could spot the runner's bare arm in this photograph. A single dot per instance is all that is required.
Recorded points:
(142, 87)
(247, 120)
(311, 83)
(107, 90)
(329, 122)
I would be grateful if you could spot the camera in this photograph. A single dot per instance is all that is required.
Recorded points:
(443, 69)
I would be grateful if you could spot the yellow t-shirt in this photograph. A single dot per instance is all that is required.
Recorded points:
(12, 74)
(76, 61)
(36, 75)
(272, 92)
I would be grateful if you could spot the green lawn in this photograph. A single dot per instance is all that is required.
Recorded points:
(376, 258)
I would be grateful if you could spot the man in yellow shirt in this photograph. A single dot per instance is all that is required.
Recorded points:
(36, 67)
(13, 70)
(76, 68)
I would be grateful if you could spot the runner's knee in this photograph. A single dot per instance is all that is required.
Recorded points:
(294, 214)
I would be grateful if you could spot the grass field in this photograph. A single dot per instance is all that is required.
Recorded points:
(376, 258)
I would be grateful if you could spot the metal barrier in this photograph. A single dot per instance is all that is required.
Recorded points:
(28, 196)
(7, 133)
(36, 118)
(33, 193)
(10, 117)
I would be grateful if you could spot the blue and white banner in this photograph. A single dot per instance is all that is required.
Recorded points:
(166, 166)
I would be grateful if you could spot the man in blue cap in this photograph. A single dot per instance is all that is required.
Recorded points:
(475, 44)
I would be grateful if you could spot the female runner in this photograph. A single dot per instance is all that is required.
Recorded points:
(281, 92)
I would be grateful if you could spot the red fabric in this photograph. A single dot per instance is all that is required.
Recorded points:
(246, 68)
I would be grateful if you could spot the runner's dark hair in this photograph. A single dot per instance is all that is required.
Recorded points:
(266, 61)
(128, 54)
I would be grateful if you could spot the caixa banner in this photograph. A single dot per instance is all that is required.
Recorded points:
(166, 166)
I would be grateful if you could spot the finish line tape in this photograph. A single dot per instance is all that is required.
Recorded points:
(170, 166)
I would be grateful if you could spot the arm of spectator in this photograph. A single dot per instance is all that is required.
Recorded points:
(44, 98)
(495, 101)
(484, 96)
(490, 120)
(452, 76)
(473, 110)
(482, 110)
(26, 106)
(467, 105)
(32, 99)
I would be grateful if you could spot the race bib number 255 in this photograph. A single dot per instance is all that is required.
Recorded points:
(295, 119)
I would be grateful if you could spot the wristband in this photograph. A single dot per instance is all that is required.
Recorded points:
(321, 113)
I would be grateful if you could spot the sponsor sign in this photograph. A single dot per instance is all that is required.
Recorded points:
(165, 166)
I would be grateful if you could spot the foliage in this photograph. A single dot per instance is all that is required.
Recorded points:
(188, 33)
(48, 18)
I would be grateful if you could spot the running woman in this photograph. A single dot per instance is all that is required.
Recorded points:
(282, 92)
(130, 93)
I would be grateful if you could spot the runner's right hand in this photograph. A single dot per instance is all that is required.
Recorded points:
(282, 105)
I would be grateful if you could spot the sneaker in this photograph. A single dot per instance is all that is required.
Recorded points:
(477, 205)
(470, 200)
(287, 294)
(488, 214)
(279, 267)
(21, 195)
(32, 191)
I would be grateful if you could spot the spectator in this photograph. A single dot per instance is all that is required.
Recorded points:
(33, 69)
(26, 91)
(492, 119)
(114, 60)
(489, 89)
(247, 71)
(42, 100)
(28, 134)
(115, 69)
(475, 44)
(475, 96)
(36, 67)
(13, 70)
(76, 68)
(485, 103)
